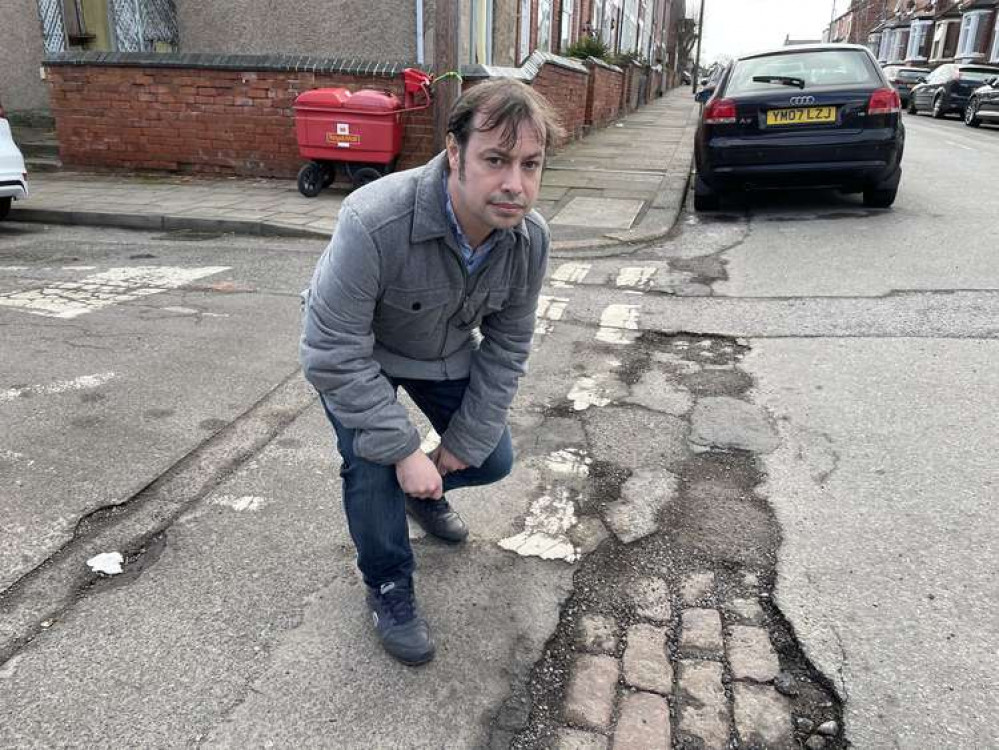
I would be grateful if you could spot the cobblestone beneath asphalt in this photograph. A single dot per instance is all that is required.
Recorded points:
(746, 611)
(646, 665)
(652, 599)
(702, 632)
(751, 655)
(697, 587)
(590, 698)
(762, 718)
(703, 706)
(644, 723)
(643, 498)
(575, 739)
(597, 633)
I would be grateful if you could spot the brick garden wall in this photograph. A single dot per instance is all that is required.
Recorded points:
(603, 94)
(197, 119)
(233, 114)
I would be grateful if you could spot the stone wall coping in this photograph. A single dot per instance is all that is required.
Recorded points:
(526, 72)
(205, 61)
(596, 61)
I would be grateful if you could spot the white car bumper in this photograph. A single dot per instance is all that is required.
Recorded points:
(12, 180)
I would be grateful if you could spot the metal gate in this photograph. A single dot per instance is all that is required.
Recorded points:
(140, 25)
(53, 28)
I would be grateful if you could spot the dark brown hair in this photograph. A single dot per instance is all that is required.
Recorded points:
(503, 103)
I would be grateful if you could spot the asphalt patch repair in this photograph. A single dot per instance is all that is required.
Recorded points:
(710, 563)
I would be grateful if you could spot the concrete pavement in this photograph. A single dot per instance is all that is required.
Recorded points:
(621, 184)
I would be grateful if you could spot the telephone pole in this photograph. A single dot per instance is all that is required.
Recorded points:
(697, 57)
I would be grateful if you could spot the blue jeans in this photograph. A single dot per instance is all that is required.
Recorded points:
(374, 502)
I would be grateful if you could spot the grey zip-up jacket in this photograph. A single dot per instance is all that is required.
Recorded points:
(391, 295)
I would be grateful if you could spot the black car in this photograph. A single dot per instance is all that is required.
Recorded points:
(948, 88)
(904, 78)
(983, 104)
(812, 116)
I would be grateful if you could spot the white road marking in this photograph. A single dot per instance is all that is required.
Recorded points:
(587, 392)
(569, 461)
(71, 299)
(193, 311)
(959, 145)
(60, 386)
(569, 274)
(546, 528)
(618, 324)
(636, 277)
(550, 309)
(13, 268)
(244, 503)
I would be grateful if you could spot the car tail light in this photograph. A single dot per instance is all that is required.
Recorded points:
(719, 112)
(884, 102)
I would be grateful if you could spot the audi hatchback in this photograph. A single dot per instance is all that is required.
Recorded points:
(816, 116)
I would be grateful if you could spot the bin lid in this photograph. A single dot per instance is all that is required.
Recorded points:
(367, 100)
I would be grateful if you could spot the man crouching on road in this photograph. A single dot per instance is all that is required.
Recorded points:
(419, 262)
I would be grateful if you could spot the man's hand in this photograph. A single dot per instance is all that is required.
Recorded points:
(446, 462)
(419, 477)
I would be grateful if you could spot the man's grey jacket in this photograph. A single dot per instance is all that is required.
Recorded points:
(391, 295)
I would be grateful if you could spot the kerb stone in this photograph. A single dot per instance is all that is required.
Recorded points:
(646, 665)
(589, 700)
(644, 723)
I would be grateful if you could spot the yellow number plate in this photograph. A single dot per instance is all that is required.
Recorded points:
(801, 116)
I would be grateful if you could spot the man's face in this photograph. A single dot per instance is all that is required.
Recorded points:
(498, 184)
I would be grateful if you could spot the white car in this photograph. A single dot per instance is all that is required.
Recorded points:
(13, 178)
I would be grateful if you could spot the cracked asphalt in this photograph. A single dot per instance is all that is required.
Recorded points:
(173, 428)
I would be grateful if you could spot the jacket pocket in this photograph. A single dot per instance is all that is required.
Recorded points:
(406, 315)
(480, 304)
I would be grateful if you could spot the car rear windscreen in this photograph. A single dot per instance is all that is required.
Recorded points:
(977, 75)
(816, 68)
(911, 75)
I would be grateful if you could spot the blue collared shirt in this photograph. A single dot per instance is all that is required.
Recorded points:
(474, 257)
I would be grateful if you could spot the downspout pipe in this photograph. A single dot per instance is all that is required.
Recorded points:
(419, 32)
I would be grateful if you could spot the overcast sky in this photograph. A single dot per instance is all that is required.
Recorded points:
(734, 27)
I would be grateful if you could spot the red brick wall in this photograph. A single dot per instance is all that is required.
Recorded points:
(603, 95)
(190, 119)
(566, 90)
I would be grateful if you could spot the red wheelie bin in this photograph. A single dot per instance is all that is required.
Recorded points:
(361, 130)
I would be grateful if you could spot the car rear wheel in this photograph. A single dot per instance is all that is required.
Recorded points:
(4, 207)
(877, 198)
(971, 114)
(938, 107)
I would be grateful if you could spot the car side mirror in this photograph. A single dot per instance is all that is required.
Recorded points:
(993, 81)
(921, 79)
(703, 95)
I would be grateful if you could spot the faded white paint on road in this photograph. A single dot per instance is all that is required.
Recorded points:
(546, 528)
(81, 383)
(550, 310)
(70, 299)
(636, 277)
(569, 274)
(618, 324)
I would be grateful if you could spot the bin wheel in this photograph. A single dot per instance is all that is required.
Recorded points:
(362, 174)
(310, 179)
(329, 173)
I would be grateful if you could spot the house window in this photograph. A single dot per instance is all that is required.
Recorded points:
(994, 54)
(899, 41)
(629, 27)
(884, 45)
(524, 48)
(874, 44)
(917, 38)
(972, 26)
(598, 17)
(940, 40)
(608, 26)
(481, 32)
(566, 25)
(545, 25)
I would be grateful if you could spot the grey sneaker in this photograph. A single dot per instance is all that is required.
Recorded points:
(400, 627)
(437, 518)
